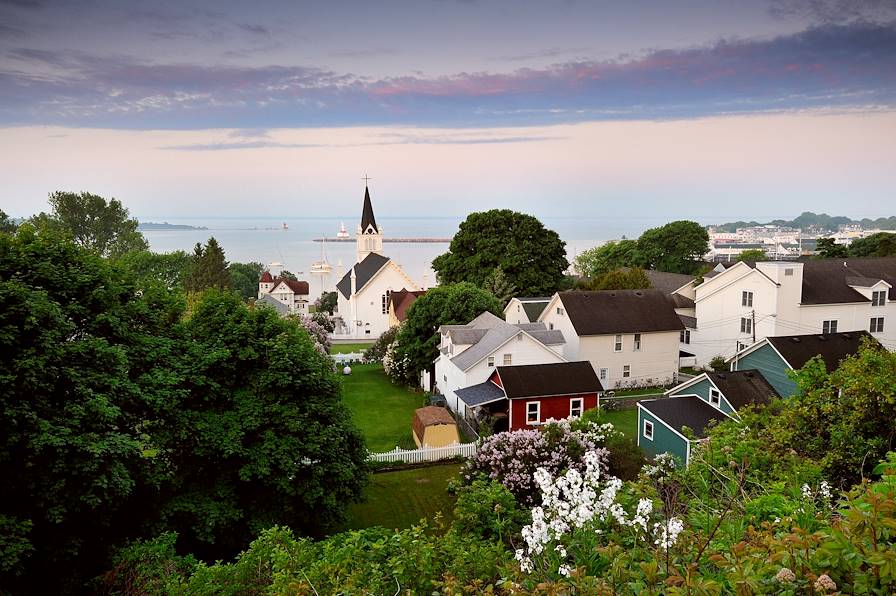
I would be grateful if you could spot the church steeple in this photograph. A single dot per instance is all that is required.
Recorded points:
(367, 219)
(369, 238)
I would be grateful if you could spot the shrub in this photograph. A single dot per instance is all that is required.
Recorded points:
(718, 364)
(377, 351)
(488, 510)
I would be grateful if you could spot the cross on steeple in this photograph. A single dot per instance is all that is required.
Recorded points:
(365, 179)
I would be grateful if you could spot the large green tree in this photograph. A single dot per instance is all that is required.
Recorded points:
(827, 248)
(607, 257)
(882, 244)
(209, 268)
(169, 269)
(633, 278)
(104, 227)
(6, 223)
(752, 254)
(677, 247)
(456, 304)
(245, 278)
(532, 257)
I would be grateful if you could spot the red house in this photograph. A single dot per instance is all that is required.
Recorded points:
(526, 396)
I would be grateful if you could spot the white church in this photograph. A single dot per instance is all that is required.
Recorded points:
(363, 292)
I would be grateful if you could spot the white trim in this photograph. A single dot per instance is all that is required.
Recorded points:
(714, 392)
(581, 401)
(666, 424)
(688, 383)
(538, 413)
(644, 429)
(738, 266)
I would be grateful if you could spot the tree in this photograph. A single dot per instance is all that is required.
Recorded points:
(209, 270)
(499, 286)
(327, 302)
(602, 259)
(752, 254)
(324, 320)
(104, 227)
(532, 257)
(259, 400)
(168, 269)
(285, 274)
(827, 248)
(244, 277)
(882, 244)
(6, 223)
(455, 304)
(677, 247)
(622, 279)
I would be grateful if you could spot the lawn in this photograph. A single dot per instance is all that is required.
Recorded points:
(401, 499)
(384, 412)
(348, 348)
(641, 391)
(624, 420)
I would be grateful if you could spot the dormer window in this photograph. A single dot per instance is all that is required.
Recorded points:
(879, 298)
(715, 398)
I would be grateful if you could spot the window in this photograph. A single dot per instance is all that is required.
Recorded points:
(603, 374)
(386, 301)
(550, 326)
(533, 412)
(637, 342)
(508, 359)
(517, 308)
(559, 311)
(626, 371)
(617, 344)
(685, 336)
(746, 298)
(575, 407)
(879, 298)
(491, 361)
(648, 429)
(715, 398)
(829, 327)
(877, 325)
(746, 325)
(445, 378)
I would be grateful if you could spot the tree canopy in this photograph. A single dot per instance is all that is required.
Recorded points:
(752, 254)
(608, 257)
(168, 269)
(101, 226)
(244, 277)
(532, 257)
(882, 244)
(633, 278)
(6, 222)
(209, 270)
(827, 248)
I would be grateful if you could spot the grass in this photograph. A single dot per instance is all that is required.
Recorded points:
(348, 348)
(401, 499)
(642, 391)
(690, 370)
(382, 411)
(625, 421)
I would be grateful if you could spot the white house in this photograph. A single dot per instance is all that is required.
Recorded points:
(289, 292)
(630, 337)
(363, 292)
(744, 303)
(468, 354)
(524, 310)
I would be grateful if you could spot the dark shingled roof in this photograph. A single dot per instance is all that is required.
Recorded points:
(560, 378)
(402, 300)
(679, 301)
(535, 308)
(620, 311)
(483, 393)
(367, 218)
(678, 412)
(743, 387)
(299, 287)
(689, 322)
(667, 282)
(797, 350)
(364, 271)
(826, 281)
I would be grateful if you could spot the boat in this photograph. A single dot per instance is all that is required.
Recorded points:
(285, 226)
(321, 267)
(342, 233)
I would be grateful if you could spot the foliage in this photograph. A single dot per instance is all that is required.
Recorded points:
(209, 270)
(417, 344)
(101, 226)
(882, 244)
(285, 274)
(632, 278)
(488, 510)
(752, 254)
(6, 223)
(149, 567)
(677, 247)
(244, 278)
(827, 248)
(327, 302)
(168, 269)
(603, 259)
(843, 419)
(499, 286)
(531, 257)
(317, 332)
(323, 320)
(377, 350)
(820, 221)
(719, 364)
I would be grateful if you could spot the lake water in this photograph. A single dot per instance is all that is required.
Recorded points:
(263, 240)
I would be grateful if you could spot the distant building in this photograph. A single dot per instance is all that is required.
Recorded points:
(291, 293)
(524, 310)
(399, 303)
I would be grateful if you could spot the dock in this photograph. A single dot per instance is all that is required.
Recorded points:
(397, 240)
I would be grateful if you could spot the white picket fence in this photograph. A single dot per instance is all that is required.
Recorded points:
(423, 454)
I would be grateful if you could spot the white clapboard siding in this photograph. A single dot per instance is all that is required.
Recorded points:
(424, 454)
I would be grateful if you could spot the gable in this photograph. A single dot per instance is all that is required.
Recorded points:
(727, 278)
(766, 360)
(364, 272)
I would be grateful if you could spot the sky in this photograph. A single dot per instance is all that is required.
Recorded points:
(711, 109)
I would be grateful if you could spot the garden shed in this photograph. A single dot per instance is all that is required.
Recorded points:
(434, 427)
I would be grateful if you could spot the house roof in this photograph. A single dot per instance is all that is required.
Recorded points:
(679, 301)
(402, 300)
(534, 308)
(689, 322)
(266, 277)
(559, 378)
(483, 393)
(298, 287)
(688, 411)
(620, 311)
(667, 282)
(833, 347)
(743, 387)
(271, 302)
(364, 271)
(433, 415)
(367, 218)
(827, 281)
(486, 333)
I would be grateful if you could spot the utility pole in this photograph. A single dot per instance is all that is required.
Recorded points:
(753, 326)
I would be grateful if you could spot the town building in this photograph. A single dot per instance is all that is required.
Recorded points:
(630, 337)
(363, 293)
(399, 303)
(289, 292)
(524, 310)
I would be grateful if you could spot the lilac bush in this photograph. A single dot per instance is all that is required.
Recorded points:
(318, 333)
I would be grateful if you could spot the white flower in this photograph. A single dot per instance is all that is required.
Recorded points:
(807, 492)
(564, 570)
(824, 491)
(668, 534)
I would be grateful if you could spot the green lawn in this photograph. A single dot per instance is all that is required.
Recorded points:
(401, 499)
(384, 412)
(348, 348)
(643, 391)
(624, 420)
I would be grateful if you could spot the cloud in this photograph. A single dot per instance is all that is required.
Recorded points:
(228, 146)
(834, 67)
(835, 11)
(365, 53)
(254, 29)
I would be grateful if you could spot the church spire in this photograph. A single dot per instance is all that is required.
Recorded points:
(367, 218)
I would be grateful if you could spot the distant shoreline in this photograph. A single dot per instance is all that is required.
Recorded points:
(151, 226)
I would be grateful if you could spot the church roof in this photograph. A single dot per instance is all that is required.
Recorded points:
(367, 218)
(298, 287)
(266, 277)
(364, 272)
